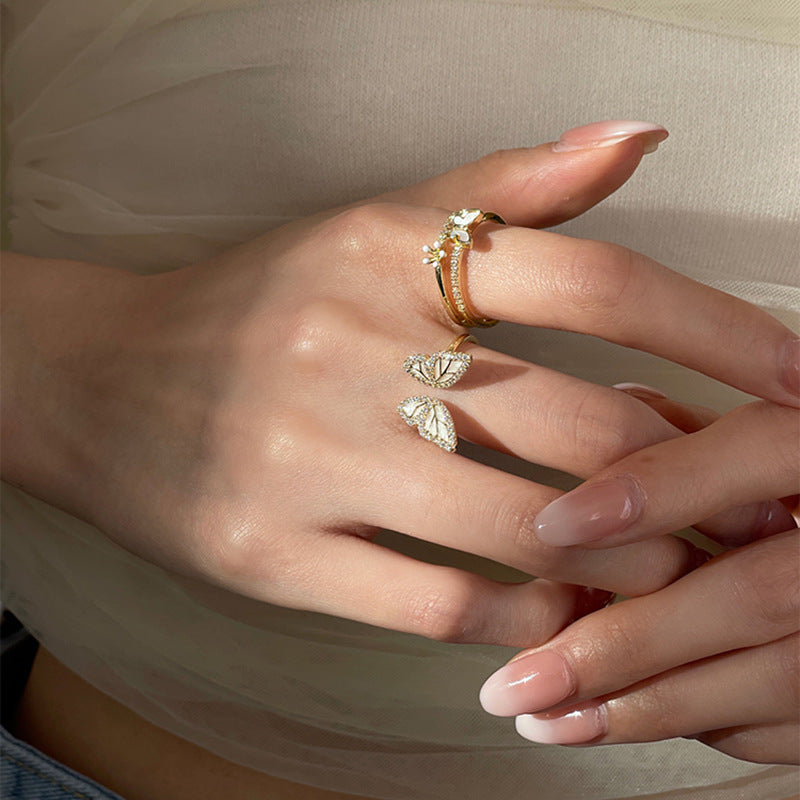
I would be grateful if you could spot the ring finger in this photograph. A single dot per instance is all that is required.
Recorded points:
(743, 599)
(707, 695)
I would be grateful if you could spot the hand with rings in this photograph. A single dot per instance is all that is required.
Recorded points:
(237, 420)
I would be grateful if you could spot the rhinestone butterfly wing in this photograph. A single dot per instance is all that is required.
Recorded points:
(441, 370)
(431, 419)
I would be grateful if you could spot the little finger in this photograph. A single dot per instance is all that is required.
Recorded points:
(351, 577)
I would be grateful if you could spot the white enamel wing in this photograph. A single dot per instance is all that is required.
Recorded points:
(466, 217)
(461, 222)
(431, 419)
(441, 370)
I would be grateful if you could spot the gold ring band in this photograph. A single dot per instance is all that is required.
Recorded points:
(459, 340)
(456, 236)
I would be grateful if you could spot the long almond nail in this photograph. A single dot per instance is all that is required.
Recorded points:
(790, 366)
(639, 388)
(533, 682)
(584, 724)
(590, 512)
(611, 132)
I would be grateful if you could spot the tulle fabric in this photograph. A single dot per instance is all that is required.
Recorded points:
(149, 135)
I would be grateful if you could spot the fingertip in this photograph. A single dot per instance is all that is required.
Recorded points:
(609, 133)
(592, 513)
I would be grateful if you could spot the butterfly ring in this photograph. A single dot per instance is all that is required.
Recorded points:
(431, 417)
(441, 369)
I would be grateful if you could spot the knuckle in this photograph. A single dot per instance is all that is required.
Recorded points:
(662, 711)
(444, 613)
(786, 420)
(783, 671)
(357, 233)
(511, 525)
(781, 424)
(235, 549)
(497, 161)
(622, 643)
(659, 562)
(250, 556)
(608, 426)
(595, 279)
(517, 517)
(315, 332)
(504, 170)
(765, 588)
(285, 439)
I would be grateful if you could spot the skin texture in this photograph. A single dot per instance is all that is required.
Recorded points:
(241, 411)
(714, 656)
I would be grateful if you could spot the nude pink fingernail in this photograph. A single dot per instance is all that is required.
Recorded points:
(590, 512)
(640, 388)
(580, 725)
(790, 366)
(529, 683)
(610, 132)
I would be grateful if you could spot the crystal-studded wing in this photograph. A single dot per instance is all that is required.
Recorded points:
(416, 367)
(447, 367)
(441, 369)
(432, 420)
(412, 408)
(436, 425)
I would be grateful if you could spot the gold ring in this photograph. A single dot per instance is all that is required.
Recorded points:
(441, 369)
(456, 236)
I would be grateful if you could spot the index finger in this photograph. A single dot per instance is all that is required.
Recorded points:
(747, 456)
(549, 280)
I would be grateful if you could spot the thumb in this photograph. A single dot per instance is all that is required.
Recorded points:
(545, 185)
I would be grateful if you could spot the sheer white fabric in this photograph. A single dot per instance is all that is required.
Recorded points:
(148, 135)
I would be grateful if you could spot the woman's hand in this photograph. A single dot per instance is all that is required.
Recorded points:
(714, 656)
(235, 420)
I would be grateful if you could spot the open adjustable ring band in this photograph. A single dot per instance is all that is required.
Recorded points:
(447, 256)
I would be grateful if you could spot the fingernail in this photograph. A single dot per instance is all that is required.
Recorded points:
(639, 388)
(790, 366)
(772, 517)
(533, 682)
(589, 513)
(580, 725)
(610, 132)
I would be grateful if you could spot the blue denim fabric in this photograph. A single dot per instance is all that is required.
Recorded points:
(25, 772)
(28, 774)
